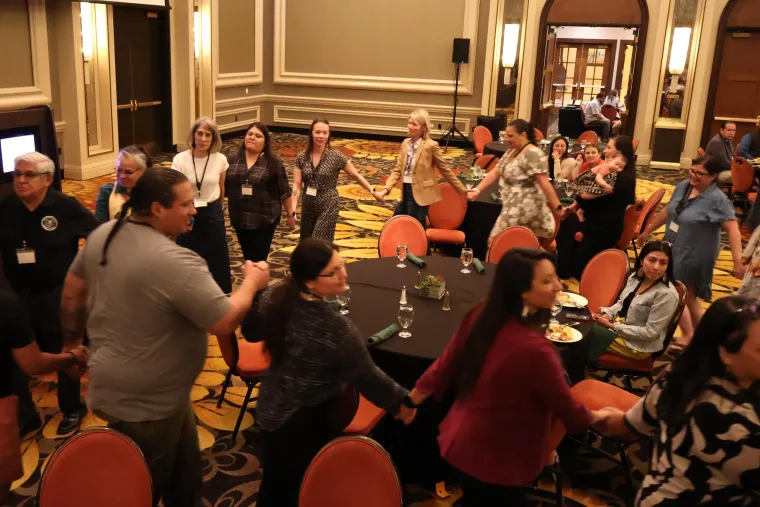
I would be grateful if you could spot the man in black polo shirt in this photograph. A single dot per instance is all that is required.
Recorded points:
(17, 342)
(40, 229)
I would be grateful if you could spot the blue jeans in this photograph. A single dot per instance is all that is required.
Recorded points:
(408, 206)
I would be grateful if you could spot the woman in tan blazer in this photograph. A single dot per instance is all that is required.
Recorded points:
(417, 161)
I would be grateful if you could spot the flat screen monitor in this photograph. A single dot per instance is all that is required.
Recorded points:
(14, 146)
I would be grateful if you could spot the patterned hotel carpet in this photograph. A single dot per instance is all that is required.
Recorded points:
(231, 469)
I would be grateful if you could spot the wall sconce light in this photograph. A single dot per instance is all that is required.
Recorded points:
(197, 34)
(85, 12)
(509, 49)
(679, 50)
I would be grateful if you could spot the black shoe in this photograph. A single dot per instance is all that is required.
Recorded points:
(31, 425)
(69, 423)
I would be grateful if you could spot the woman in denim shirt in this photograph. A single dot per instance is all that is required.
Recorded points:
(635, 326)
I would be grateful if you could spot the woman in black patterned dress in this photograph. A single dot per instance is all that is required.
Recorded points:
(317, 170)
(704, 416)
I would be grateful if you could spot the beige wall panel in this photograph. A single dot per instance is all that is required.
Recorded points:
(53, 58)
(237, 120)
(237, 31)
(393, 38)
(237, 92)
(16, 70)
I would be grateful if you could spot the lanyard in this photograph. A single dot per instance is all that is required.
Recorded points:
(515, 155)
(684, 203)
(195, 172)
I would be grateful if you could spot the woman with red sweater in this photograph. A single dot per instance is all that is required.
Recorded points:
(509, 385)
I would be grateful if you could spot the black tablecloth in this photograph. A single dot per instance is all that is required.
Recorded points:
(495, 148)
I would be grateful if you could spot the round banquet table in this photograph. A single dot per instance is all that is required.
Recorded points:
(496, 148)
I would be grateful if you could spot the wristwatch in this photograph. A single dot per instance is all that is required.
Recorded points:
(293, 214)
(407, 401)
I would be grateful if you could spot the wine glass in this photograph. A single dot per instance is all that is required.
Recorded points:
(555, 310)
(469, 184)
(405, 318)
(401, 250)
(343, 298)
(466, 258)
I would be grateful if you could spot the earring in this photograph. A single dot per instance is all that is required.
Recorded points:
(665, 278)
(524, 311)
(640, 273)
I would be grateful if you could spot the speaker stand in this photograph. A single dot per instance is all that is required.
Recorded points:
(453, 131)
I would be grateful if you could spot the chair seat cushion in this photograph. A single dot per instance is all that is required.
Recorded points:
(595, 395)
(445, 236)
(752, 196)
(367, 416)
(613, 362)
(254, 359)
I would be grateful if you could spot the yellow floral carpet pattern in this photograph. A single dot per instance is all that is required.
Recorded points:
(231, 471)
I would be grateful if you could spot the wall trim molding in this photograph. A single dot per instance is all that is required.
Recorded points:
(440, 86)
(254, 77)
(88, 171)
(60, 126)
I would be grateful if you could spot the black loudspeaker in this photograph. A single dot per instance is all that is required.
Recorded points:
(461, 52)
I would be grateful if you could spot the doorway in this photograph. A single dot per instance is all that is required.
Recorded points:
(578, 61)
(143, 78)
(734, 85)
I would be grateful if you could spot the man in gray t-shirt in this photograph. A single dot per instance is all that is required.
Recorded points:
(149, 304)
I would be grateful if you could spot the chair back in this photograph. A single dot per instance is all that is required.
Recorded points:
(630, 224)
(673, 324)
(590, 137)
(539, 135)
(665, 113)
(449, 212)
(603, 278)
(351, 471)
(635, 144)
(700, 152)
(487, 162)
(402, 229)
(343, 409)
(96, 467)
(609, 112)
(511, 237)
(649, 211)
(230, 351)
(481, 137)
(742, 175)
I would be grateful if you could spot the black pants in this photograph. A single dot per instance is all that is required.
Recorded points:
(209, 240)
(288, 451)
(572, 256)
(256, 243)
(477, 493)
(408, 206)
(44, 313)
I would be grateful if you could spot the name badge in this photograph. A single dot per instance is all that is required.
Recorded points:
(201, 203)
(25, 256)
(311, 191)
(247, 190)
(673, 227)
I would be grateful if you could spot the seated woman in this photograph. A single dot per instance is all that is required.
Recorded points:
(130, 165)
(704, 415)
(635, 326)
(562, 166)
(316, 352)
(499, 442)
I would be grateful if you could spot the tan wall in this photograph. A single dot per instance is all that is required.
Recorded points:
(16, 68)
(236, 36)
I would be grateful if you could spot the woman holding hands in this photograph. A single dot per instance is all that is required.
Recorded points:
(257, 189)
(317, 170)
(417, 161)
(527, 195)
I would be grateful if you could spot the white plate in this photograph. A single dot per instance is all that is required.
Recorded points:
(575, 301)
(576, 336)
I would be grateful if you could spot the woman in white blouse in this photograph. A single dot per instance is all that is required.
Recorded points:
(206, 169)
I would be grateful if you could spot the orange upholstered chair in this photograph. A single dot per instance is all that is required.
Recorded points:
(96, 467)
(742, 176)
(603, 278)
(635, 144)
(701, 152)
(641, 368)
(539, 135)
(445, 216)
(487, 162)
(590, 137)
(367, 416)
(351, 471)
(511, 237)
(402, 229)
(609, 112)
(480, 138)
(247, 360)
(647, 215)
(630, 224)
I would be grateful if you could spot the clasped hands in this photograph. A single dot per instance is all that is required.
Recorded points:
(602, 320)
(80, 353)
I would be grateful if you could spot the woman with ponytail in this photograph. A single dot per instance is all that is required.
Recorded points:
(316, 354)
(527, 195)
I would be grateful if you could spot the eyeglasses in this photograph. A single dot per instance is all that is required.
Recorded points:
(334, 272)
(698, 173)
(27, 175)
(125, 172)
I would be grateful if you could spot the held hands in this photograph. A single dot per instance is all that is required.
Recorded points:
(292, 221)
(257, 272)
(81, 355)
(379, 195)
(472, 194)
(601, 419)
(739, 269)
(406, 414)
(754, 268)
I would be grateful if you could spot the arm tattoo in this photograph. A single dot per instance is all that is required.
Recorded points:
(73, 319)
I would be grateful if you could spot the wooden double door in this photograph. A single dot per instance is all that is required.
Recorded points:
(581, 71)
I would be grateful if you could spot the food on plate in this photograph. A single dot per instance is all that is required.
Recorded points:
(563, 297)
(559, 333)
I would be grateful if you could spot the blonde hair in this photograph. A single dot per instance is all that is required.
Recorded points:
(423, 118)
(210, 125)
(42, 163)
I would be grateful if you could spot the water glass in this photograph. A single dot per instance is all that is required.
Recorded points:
(405, 319)
(466, 258)
(469, 184)
(401, 250)
(343, 299)
(555, 310)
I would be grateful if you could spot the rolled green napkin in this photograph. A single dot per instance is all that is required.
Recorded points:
(383, 335)
(478, 266)
(415, 260)
(494, 197)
